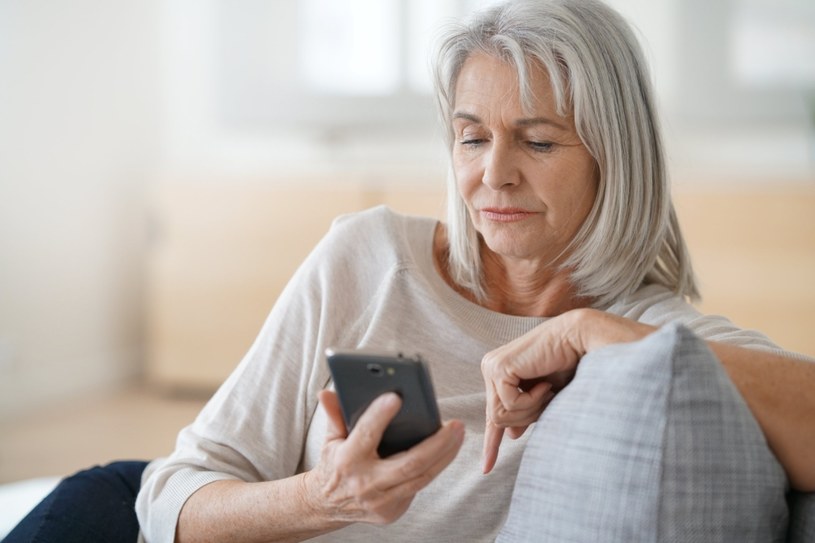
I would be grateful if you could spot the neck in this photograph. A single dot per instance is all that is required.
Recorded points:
(530, 289)
(515, 287)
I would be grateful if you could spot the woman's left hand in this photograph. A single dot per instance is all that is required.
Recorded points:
(523, 376)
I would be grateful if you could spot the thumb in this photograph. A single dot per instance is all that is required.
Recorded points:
(336, 424)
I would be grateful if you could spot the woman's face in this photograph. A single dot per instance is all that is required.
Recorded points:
(526, 178)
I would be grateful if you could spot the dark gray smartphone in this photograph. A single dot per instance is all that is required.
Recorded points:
(360, 377)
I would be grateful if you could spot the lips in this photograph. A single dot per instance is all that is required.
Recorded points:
(506, 214)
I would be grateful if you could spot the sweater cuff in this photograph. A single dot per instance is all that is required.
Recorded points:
(159, 503)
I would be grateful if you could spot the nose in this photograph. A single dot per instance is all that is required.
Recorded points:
(500, 170)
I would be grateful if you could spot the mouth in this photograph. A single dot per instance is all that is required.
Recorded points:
(505, 214)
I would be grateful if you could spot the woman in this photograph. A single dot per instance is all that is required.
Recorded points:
(560, 238)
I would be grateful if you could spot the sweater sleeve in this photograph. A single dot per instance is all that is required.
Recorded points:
(255, 426)
(657, 306)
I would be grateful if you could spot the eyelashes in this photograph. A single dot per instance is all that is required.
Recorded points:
(536, 146)
(541, 146)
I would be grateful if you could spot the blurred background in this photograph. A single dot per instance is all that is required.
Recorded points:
(165, 164)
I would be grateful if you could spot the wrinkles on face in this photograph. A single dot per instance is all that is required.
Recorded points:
(524, 174)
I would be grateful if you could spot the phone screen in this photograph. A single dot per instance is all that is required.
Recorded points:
(359, 378)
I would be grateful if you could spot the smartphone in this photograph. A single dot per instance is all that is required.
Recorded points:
(360, 377)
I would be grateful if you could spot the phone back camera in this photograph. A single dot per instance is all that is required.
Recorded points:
(376, 369)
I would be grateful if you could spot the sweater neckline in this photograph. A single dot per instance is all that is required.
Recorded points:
(498, 327)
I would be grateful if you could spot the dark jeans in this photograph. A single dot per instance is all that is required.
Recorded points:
(97, 504)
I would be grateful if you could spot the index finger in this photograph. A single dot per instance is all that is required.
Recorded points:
(368, 431)
(493, 434)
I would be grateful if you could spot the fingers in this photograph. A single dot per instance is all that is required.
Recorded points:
(415, 468)
(371, 425)
(514, 432)
(513, 407)
(492, 441)
(401, 476)
(536, 356)
(356, 485)
(496, 427)
(515, 415)
(406, 473)
(336, 424)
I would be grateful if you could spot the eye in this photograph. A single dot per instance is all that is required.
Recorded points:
(472, 142)
(540, 146)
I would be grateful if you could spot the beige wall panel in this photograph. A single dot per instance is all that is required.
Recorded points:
(223, 252)
(754, 253)
(221, 256)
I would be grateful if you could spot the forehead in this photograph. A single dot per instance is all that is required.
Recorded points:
(488, 81)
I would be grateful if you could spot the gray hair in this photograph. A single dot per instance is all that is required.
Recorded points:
(597, 71)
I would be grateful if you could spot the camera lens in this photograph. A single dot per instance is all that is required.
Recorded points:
(375, 369)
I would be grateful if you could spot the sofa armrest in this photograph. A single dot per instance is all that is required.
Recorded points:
(802, 517)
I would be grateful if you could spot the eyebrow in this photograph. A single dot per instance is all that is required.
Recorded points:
(520, 122)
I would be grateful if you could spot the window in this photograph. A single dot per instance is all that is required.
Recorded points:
(326, 64)
(773, 43)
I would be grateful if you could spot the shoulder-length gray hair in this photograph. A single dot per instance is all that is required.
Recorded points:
(597, 72)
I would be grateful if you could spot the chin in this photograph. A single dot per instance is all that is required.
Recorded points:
(509, 247)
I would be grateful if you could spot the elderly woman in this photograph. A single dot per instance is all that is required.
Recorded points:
(560, 239)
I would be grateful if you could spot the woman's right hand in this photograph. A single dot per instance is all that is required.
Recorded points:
(353, 484)
(350, 484)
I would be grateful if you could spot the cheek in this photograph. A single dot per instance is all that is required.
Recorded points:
(581, 184)
(584, 200)
(468, 177)
(569, 196)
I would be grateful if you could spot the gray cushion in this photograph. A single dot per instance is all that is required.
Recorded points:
(650, 442)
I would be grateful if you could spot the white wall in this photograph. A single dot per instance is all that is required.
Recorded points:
(78, 144)
(716, 125)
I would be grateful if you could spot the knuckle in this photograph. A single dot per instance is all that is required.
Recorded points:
(501, 415)
(411, 467)
(366, 435)
(343, 462)
(490, 361)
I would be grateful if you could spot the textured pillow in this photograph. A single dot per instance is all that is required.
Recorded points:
(650, 442)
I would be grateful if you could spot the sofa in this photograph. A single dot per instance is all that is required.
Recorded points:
(651, 442)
